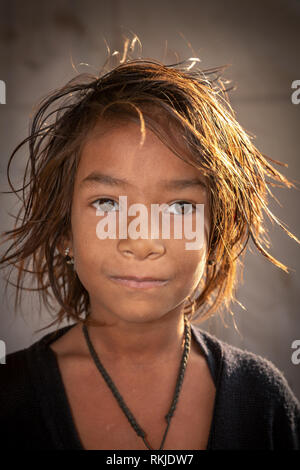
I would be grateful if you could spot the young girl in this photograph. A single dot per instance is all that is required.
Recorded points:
(132, 371)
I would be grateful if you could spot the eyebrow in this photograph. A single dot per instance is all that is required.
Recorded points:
(99, 178)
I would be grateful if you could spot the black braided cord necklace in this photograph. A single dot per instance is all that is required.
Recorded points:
(139, 431)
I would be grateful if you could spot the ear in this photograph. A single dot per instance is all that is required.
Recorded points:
(65, 242)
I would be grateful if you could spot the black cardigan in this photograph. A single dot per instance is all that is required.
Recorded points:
(254, 406)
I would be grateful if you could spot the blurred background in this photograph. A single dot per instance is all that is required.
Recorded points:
(260, 40)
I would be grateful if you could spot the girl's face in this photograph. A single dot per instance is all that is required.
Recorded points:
(148, 172)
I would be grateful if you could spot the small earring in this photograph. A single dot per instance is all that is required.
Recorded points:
(68, 258)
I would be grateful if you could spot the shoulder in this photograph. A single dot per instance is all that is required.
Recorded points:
(245, 370)
(28, 386)
(17, 395)
(20, 375)
(13, 373)
(254, 397)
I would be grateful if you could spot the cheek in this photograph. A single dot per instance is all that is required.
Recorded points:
(84, 224)
(190, 264)
(87, 248)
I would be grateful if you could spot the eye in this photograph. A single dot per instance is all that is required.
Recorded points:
(180, 208)
(105, 204)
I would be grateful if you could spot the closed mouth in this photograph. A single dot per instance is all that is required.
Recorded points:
(140, 278)
(139, 282)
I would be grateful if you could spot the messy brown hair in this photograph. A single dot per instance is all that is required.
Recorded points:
(196, 102)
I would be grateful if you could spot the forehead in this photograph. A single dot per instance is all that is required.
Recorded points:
(119, 149)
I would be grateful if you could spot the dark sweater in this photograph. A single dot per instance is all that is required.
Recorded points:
(254, 406)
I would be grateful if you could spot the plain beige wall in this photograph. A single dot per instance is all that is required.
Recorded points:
(261, 41)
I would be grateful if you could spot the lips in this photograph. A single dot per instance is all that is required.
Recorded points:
(140, 278)
(139, 282)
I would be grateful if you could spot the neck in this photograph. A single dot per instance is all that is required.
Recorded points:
(151, 343)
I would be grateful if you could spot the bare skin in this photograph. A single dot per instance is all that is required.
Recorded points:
(137, 333)
(147, 391)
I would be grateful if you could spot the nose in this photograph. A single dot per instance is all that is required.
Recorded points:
(141, 245)
(141, 248)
